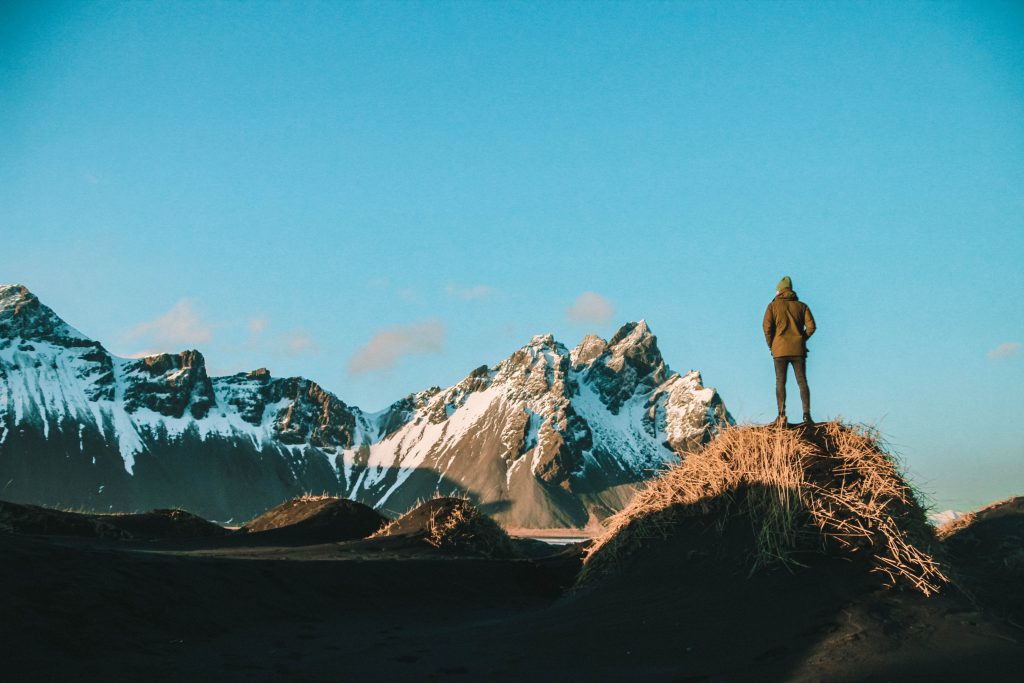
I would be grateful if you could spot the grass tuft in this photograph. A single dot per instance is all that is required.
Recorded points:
(452, 524)
(827, 489)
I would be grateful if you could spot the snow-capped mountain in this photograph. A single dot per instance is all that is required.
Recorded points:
(546, 438)
(944, 517)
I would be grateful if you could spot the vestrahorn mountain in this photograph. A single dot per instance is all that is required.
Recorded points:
(546, 438)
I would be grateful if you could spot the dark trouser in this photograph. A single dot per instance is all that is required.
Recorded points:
(799, 364)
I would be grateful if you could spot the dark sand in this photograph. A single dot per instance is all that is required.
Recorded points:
(239, 608)
(987, 549)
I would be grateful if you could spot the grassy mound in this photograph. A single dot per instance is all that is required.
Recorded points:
(317, 518)
(453, 525)
(157, 524)
(165, 524)
(831, 489)
(986, 549)
(33, 519)
(1011, 507)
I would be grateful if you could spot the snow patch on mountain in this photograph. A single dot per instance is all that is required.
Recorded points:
(543, 436)
(944, 517)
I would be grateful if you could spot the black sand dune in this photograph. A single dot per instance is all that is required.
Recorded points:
(92, 610)
(986, 551)
(688, 602)
(156, 524)
(316, 520)
(166, 524)
(33, 519)
(450, 525)
(695, 612)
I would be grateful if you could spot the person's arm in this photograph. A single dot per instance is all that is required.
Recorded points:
(809, 326)
(769, 326)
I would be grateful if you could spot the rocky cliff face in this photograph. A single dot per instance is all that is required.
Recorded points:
(169, 384)
(546, 438)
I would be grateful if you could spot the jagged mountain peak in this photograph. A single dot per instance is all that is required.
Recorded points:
(23, 315)
(542, 352)
(547, 340)
(588, 350)
(298, 410)
(631, 362)
(547, 436)
(14, 293)
(259, 374)
(168, 384)
(617, 368)
(631, 333)
(636, 345)
(163, 363)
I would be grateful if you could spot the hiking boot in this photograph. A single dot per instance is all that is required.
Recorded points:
(807, 419)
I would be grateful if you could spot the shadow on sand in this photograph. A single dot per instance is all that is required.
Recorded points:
(682, 607)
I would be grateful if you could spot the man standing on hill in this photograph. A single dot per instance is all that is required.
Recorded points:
(788, 324)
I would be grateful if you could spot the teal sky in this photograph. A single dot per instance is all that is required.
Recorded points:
(383, 196)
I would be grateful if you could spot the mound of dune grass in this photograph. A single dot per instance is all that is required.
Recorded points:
(1011, 507)
(831, 489)
(165, 523)
(985, 548)
(155, 524)
(317, 518)
(34, 519)
(452, 525)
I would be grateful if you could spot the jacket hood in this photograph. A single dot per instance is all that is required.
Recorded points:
(788, 294)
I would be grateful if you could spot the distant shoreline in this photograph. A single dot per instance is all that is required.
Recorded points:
(557, 536)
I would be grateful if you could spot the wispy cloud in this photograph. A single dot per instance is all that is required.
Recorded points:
(590, 307)
(255, 340)
(384, 285)
(389, 345)
(261, 339)
(470, 293)
(257, 325)
(298, 343)
(1004, 350)
(180, 326)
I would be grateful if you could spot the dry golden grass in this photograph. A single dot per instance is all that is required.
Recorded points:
(453, 523)
(286, 513)
(461, 526)
(831, 488)
(310, 496)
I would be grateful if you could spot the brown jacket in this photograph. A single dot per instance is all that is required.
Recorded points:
(788, 324)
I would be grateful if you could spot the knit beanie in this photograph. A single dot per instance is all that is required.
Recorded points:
(784, 283)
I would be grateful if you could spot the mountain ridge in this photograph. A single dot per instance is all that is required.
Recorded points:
(546, 437)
